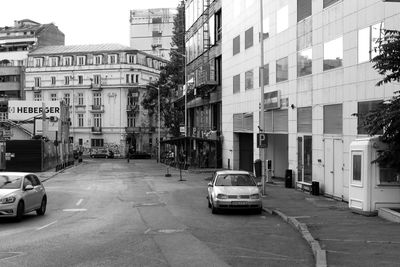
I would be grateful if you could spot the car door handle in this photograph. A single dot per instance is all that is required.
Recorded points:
(332, 172)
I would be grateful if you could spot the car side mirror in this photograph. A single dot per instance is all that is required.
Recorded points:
(210, 185)
(28, 187)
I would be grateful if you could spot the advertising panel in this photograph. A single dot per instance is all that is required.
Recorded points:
(19, 110)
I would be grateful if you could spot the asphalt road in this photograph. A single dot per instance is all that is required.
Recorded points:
(107, 212)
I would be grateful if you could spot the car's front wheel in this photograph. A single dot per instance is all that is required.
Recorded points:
(209, 203)
(20, 211)
(214, 210)
(41, 211)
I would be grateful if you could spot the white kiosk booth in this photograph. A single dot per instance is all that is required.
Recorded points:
(371, 186)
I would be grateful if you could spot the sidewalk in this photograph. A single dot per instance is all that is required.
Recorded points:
(337, 236)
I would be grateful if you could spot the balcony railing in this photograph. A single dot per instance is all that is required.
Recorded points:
(97, 108)
(96, 130)
(96, 87)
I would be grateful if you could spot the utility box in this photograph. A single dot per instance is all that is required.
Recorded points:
(371, 186)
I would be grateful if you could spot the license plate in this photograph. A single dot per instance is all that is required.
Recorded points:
(239, 203)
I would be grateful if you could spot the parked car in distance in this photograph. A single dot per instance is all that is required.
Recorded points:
(101, 153)
(21, 193)
(231, 189)
(139, 155)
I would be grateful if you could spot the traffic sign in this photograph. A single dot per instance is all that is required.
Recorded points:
(262, 140)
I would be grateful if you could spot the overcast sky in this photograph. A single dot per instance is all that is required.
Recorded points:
(82, 21)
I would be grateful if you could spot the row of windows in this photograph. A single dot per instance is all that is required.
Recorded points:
(97, 98)
(54, 61)
(333, 57)
(9, 78)
(96, 80)
(2, 34)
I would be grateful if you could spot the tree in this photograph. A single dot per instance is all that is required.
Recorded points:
(387, 115)
(171, 76)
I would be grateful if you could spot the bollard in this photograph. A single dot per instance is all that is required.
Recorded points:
(167, 174)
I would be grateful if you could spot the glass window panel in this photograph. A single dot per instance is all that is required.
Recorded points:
(357, 168)
(329, 2)
(249, 77)
(211, 26)
(363, 45)
(333, 119)
(388, 176)
(376, 31)
(307, 159)
(304, 62)
(303, 9)
(333, 54)
(282, 19)
(236, 45)
(282, 69)
(236, 8)
(363, 109)
(300, 159)
(236, 84)
(248, 38)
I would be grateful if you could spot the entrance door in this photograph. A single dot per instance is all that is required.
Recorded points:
(334, 167)
(304, 158)
(246, 152)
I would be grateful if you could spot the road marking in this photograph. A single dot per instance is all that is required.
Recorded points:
(79, 202)
(9, 255)
(44, 226)
(73, 210)
(170, 231)
(148, 230)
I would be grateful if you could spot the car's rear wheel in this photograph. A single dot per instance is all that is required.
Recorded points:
(20, 211)
(42, 210)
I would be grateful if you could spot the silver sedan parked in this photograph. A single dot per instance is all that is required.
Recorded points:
(233, 190)
(20, 193)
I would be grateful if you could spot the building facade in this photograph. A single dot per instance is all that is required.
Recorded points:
(203, 78)
(151, 30)
(103, 86)
(316, 75)
(15, 43)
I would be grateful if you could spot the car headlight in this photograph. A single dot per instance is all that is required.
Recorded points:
(255, 196)
(9, 199)
(222, 196)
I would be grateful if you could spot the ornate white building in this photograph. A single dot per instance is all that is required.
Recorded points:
(103, 86)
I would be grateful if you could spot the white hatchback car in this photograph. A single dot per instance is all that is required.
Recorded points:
(20, 193)
(233, 190)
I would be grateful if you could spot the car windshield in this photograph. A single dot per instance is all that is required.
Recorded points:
(10, 182)
(234, 180)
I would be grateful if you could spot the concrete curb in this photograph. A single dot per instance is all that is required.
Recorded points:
(54, 174)
(319, 254)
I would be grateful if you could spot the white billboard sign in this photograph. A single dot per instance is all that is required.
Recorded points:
(20, 110)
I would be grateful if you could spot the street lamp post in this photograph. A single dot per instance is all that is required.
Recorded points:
(159, 127)
(261, 122)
